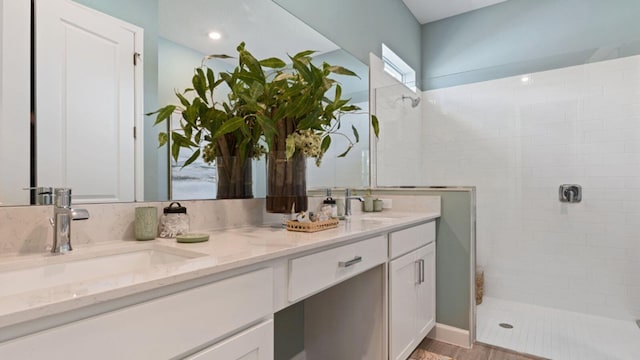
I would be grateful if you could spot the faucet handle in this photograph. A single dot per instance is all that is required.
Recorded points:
(62, 197)
(44, 194)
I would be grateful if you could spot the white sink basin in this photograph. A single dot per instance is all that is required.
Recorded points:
(50, 271)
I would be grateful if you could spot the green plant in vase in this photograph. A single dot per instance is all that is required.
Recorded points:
(224, 132)
(299, 106)
(290, 111)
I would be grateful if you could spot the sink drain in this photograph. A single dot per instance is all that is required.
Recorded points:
(506, 326)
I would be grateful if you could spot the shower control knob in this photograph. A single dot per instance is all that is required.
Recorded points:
(570, 193)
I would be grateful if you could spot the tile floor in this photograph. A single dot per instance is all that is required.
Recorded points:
(554, 333)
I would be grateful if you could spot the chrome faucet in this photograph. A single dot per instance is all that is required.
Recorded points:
(63, 214)
(347, 201)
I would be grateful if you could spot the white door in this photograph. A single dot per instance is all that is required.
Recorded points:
(86, 101)
(14, 101)
(426, 291)
(403, 279)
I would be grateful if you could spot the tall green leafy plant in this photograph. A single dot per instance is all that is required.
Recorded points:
(293, 108)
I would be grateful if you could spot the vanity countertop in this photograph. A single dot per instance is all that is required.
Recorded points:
(225, 251)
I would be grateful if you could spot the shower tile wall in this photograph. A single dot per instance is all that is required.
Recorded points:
(517, 139)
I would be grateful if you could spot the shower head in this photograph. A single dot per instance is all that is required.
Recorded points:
(414, 101)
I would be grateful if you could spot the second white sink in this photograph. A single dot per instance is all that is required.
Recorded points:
(50, 271)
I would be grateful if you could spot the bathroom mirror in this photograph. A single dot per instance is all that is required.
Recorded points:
(176, 38)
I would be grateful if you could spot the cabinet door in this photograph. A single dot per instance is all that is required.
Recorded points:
(403, 279)
(253, 344)
(426, 291)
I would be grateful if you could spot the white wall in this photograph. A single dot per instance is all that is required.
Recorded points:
(397, 155)
(351, 170)
(517, 142)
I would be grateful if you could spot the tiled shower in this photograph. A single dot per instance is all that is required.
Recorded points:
(517, 139)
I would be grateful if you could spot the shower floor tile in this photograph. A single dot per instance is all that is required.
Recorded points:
(554, 333)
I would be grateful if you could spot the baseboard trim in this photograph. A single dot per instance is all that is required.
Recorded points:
(302, 355)
(450, 335)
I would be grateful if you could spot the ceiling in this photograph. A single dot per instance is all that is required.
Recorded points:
(266, 28)
(431, 10)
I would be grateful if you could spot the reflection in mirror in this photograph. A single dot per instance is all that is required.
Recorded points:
(181, 42)
(268, 31)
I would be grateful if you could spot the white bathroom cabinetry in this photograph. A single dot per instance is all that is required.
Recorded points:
(167, 327)
(371, 296)
(411, 291)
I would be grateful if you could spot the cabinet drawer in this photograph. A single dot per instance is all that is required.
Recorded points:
(311, 273)
(255, 343)
(407, 240)
(162, 328)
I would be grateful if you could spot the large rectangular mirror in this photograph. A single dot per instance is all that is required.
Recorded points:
(174, 41)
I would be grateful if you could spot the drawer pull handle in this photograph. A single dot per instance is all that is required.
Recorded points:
(353, 261)
(420, 264)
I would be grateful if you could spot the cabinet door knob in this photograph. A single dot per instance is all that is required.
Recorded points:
(353, 261)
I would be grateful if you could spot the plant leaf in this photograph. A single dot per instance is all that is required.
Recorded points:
(192, 158)
(304, 53)
(355, 133)
(375, 124)
(341, 71)
(163, 113)
(183, 100)
(162, 139)
(211, 79)
(283, 76)
(273, 63)
(326, 143)
(346, 152)
(199, 84)
(229, 126)
(220, 56)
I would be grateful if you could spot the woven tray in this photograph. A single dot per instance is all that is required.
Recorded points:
(293, 225)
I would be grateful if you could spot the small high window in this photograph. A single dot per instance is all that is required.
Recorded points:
(396, 67)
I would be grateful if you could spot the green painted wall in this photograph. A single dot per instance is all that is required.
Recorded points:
(361, 26)
(524, 36)
(455, 231)
(454, 249)
(176, 64)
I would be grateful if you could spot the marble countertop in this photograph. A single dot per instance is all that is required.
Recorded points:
(226, 250)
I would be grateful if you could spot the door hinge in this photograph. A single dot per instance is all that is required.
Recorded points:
(136, 57)
(134, 133)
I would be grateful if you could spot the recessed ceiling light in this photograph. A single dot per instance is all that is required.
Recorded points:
(525, 79)
(215, 35)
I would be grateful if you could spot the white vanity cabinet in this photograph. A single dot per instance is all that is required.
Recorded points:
(171, 326)
(412, 288)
